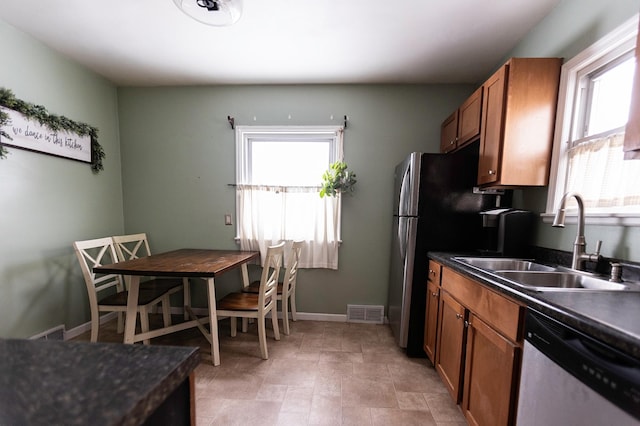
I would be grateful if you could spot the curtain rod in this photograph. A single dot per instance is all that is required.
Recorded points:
(280, 186)
(232, 121)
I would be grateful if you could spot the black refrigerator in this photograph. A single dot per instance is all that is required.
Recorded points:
(435, 208)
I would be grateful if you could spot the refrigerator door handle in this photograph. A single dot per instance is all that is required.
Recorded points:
(403, 236)
(404, 203)
(406, 186)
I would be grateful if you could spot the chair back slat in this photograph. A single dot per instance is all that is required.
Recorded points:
(133, 246)
(269, 278)
(291, 269)
(97, 252)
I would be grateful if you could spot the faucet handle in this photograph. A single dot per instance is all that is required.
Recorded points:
(598, 247)
(595, 256)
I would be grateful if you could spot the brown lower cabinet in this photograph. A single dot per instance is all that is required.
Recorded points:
(431, 320)
(478, 351)
(432, 309)
(451, 344)
(490, 375)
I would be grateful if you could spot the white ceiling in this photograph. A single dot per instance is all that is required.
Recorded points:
(151, 42)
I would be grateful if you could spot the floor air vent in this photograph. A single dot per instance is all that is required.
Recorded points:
(373, 314)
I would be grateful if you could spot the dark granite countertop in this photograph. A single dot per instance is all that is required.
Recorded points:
(610, 316)
(74, 383)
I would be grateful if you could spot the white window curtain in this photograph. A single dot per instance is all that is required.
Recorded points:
(270, 214)
(273, 206)
(598, 172)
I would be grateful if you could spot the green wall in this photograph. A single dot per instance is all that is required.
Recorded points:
(572, 27)
(178, 157)
(46, 202)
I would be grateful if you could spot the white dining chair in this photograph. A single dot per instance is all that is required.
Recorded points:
(257, 305)
(134, 246)
(286, 292)
(99, 252)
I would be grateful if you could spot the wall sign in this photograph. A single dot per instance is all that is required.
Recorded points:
(31, 135)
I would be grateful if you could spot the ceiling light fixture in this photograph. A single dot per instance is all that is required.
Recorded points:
(212, 12)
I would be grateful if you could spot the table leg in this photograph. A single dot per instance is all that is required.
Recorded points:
(132, 304)
(213, 322)
(187, 296)
(245, 275)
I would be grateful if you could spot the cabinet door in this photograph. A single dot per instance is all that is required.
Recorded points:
(431, 320)
(490, 379)
(492, 126)
(449, 352)
(469, 118)
(449, 133)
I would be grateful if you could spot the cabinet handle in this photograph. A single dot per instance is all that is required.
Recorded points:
(434, 294)
(492, 172)
(452, 142)
(466, 324)
(458, 316)
(432, 272)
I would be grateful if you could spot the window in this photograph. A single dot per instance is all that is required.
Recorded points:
(278, 174)
(593, 109)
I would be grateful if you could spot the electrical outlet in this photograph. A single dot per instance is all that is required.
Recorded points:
(227, 219)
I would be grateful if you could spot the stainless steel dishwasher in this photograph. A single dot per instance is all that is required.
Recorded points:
(569, 378)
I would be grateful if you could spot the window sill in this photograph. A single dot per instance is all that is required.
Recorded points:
(607, 219)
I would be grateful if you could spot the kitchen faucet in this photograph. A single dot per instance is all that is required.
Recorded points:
(580, 256)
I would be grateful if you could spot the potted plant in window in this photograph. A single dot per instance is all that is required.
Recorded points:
(337, 179)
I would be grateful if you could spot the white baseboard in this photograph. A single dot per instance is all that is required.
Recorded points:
(46, 335)
(302, 316)
(312, 316)
(83, 328)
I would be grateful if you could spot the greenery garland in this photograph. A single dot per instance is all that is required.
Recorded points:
(53, 122)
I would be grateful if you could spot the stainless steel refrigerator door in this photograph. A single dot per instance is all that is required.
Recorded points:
(401, 276)
(407, 181)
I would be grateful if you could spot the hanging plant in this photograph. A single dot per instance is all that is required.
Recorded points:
(53, 122)
(337, 179)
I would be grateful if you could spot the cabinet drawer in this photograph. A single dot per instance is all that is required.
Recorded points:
(435, 270)
(501, 313)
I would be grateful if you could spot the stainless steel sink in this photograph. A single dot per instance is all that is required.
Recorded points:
(535, 276)
(504, 263)
(560, 281)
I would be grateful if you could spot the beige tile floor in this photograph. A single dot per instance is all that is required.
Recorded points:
(323, 373)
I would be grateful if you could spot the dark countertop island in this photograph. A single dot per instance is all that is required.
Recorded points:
(610, 316)
(76, 383)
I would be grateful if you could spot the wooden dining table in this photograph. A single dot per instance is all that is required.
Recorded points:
(185, 263)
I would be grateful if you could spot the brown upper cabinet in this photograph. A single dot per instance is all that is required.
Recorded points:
(463, 126)
(632, 132)
(449, 133)
(518, 118)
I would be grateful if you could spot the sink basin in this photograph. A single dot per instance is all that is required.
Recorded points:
(528, 274)
(504, 264)
(559, 281)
